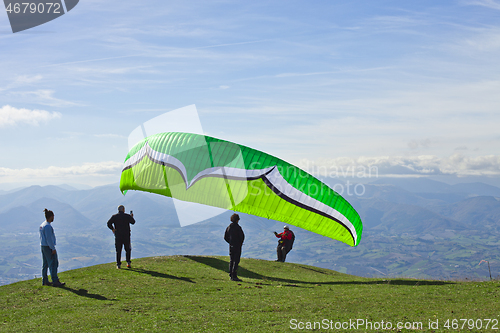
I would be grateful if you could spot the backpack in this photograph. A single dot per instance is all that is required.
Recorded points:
(293, 239)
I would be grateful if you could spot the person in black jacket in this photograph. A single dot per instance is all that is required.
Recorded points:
(120, 225)
(234, 236)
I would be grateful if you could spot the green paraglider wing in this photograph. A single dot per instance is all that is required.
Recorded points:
(214, 172)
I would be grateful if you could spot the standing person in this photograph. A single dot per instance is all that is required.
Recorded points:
(49, 253)
(285, 243)
(234, 236)
(120, 225)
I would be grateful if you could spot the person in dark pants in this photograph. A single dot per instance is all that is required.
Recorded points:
(234, 236)
(120, 225)
(49, 253)
(285, 243)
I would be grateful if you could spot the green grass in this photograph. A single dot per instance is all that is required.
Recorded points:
(194, 294)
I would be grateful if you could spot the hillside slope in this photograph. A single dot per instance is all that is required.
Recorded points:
(438, 232)
(194, 294)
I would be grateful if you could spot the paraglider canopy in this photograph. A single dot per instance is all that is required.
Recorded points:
(219, 173)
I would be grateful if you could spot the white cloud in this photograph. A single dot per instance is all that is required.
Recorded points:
(111, 136)
(91, 60)
(22, 80)
(10, 116)
(485, 3)
(339, 71)
(423, 165)
(42, 96)
(415, 144)
(232, 44)
(117, 70)
(102, 169)
(26, 79)
(482, 40)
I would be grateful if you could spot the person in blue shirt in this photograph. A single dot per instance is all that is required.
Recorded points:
(49, 253)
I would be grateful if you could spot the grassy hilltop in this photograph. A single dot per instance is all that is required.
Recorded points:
(194, 294)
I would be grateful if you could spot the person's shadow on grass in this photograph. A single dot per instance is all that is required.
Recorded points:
(85, 293)
(158, 274)
(243, 272)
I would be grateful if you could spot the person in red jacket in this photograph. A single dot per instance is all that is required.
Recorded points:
(285, 243)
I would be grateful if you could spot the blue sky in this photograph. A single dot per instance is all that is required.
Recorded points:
(410, 87)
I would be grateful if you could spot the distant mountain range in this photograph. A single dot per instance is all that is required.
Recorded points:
(412, 227)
